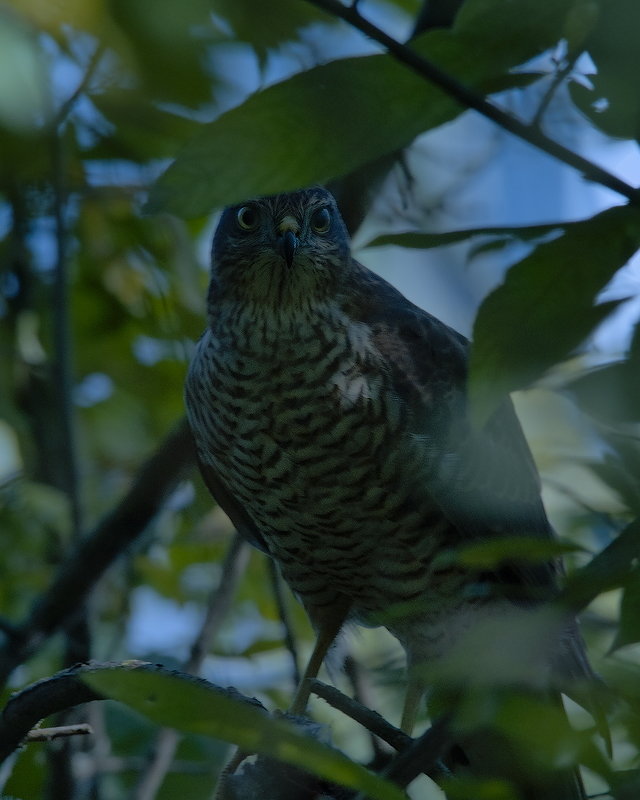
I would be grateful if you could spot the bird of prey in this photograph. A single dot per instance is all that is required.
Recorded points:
(331, 424)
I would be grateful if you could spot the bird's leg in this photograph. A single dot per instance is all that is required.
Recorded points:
(327, 630)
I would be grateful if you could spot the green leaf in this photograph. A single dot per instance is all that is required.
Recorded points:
(629, 630)
(491, 553)
(462, 788)
(610, 393)
(545, 308)
(610, 569)
(195, 706)
(619, 468)
(330, 120)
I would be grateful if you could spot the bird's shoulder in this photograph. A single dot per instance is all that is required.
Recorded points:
(428, 358)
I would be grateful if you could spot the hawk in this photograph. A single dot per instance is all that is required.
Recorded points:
(331, 424)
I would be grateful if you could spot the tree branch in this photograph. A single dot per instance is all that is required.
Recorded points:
(89, 559)
(59, 732)
(415, 756)
(220, 600)
(67, 106)
(167, 740)
(424, 755)
(66, 469)
(285, 618)
(470, 99)
(364, 716)
(562, 73)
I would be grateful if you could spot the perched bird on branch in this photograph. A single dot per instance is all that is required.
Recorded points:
(330, 419)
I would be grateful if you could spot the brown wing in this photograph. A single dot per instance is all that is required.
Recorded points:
(484, 481)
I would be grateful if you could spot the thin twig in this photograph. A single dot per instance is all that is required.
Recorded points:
(63, 356)
(77, 636)
(470, 99)
(155, 770)
(562, 73)
(63, 351)
(66, 107)
(220, 599)
(364, 716)
(415, 756)
(219, 602)
(285, 618)
(60, 731)
(360, 694)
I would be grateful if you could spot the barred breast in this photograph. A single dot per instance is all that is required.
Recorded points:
(304, 432)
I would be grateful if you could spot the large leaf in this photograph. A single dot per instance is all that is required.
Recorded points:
(334, 118)
(545, 308)
(197, 707)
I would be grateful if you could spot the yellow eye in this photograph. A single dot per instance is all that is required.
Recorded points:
(321, 220)
(247, 218)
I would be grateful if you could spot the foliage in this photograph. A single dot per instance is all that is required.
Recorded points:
(200, 709)
(103, 286)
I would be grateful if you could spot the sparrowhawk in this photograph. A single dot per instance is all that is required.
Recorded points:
(331, 423)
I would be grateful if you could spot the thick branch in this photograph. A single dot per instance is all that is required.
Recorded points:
(470, 99)
(90, 558)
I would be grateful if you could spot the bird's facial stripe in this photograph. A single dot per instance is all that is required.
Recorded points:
(289, 223)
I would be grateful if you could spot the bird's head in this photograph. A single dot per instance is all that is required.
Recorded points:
(283, 252)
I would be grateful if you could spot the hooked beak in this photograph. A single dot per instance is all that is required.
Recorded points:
(288, 239)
